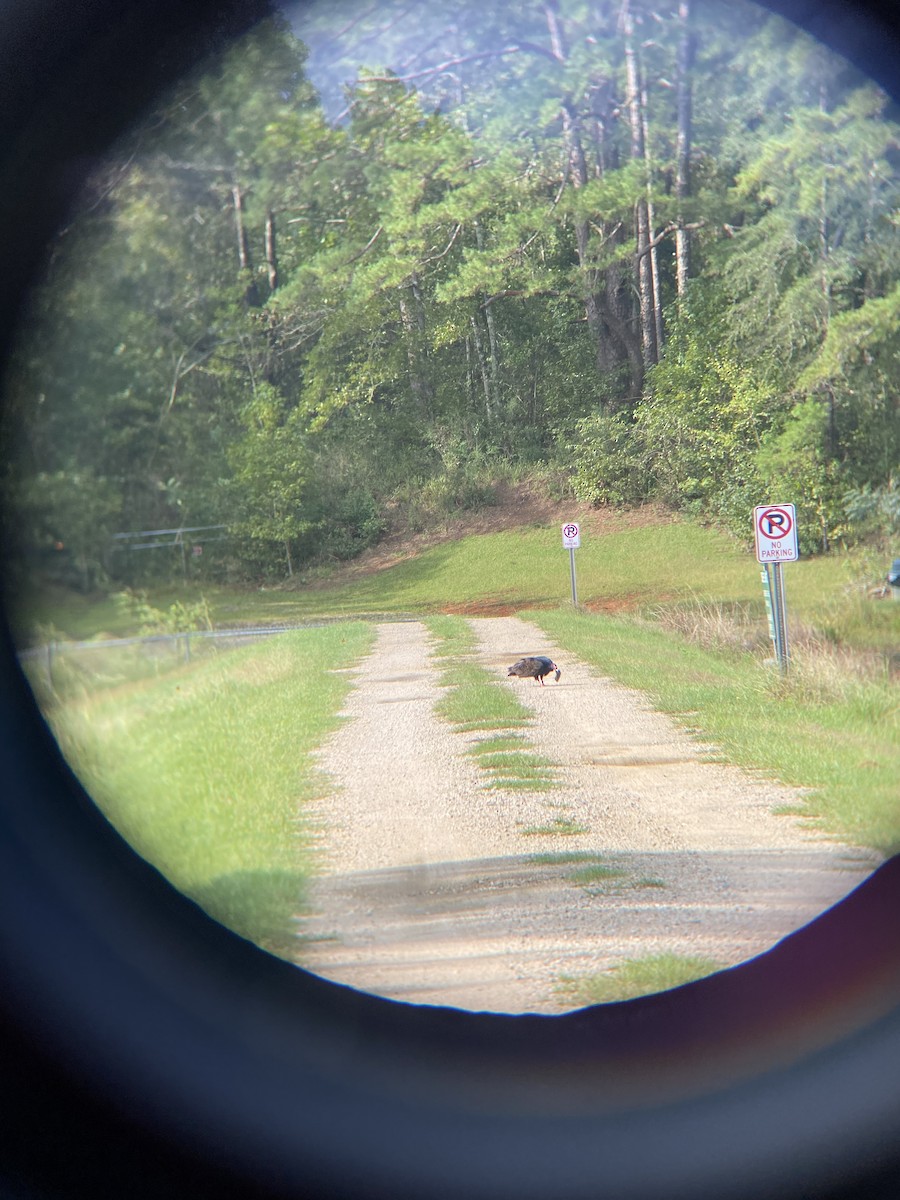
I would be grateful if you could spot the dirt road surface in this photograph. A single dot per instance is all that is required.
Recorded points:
(431, 890)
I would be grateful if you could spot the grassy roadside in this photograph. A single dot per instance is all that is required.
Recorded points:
(836, 737)
(644, 567)
(205, 770)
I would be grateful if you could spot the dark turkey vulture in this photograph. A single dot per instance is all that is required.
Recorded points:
(535, 668)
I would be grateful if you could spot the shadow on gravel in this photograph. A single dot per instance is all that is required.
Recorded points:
(501, 932)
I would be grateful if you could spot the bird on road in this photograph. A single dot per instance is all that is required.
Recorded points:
(535, 668)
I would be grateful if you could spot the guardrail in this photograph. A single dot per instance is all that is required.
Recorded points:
(156, 647)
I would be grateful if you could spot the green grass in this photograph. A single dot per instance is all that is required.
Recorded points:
(654, 565)
(70, 671)
(205, 771)
(475, 702)
(518, 769)
(452, 637)
(556, 827)
(596, 873)
(592, 869)
(500, 743)
(822, 729)
(839, 740)
(635, 977)
(564, 858)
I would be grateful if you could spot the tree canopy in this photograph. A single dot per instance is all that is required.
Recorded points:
(656, 247)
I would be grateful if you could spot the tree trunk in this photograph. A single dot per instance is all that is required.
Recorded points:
(271, 254)
(823, 248)
(658, 331)
(240, 229)
(554, 28)
(412, 317)
(604, 109)
(645, 283)
(577, 167)
(478, 343)
(683, 147)
(623, 332)
(658, 335)
(614, 284)
(251, 296)
(643, 234)
(491, 325)
(606, 324)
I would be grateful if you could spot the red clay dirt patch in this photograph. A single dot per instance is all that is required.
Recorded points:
(614, 604)
(486, 608)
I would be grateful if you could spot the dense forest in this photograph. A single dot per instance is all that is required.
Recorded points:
(649, 252)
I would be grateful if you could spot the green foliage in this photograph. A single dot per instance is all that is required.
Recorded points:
(426, 503)
(796, 464)
(606, 461)
(304, 330)
(352, 521)
(64, 520)
(875, 509)
(181, 617)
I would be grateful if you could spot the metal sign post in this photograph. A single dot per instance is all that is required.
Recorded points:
(775, 534)
(767, 596)
(571, 539)
(784, 655)
(773, 591)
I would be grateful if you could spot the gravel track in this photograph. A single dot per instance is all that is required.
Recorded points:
(429, 890)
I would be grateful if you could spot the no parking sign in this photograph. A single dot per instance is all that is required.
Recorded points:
(775, 534)
(571, 539)
(775, 531)
(571, 535)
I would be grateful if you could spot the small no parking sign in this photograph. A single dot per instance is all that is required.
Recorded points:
(571, 535)
(775, 535)
(571, 538)
(775, 531)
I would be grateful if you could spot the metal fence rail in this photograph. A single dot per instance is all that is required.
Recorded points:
(55, 664)
(128, 657)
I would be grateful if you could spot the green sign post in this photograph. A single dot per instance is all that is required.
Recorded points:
(775, 535)
(571, 539)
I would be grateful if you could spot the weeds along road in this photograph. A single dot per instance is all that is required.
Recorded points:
(434, 889)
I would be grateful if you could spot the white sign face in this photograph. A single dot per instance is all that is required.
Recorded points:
(775, 531)
(571, 536)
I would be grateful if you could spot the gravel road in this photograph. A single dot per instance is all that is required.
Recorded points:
(430, 891)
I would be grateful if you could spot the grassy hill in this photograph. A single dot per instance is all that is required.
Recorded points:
(646, 563)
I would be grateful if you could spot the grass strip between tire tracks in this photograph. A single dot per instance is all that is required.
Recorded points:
(474, 702)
